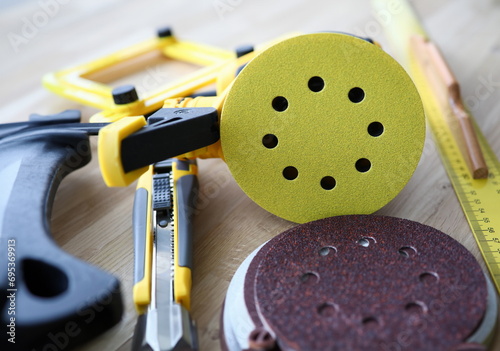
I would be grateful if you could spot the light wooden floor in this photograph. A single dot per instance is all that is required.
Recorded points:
(94, 222)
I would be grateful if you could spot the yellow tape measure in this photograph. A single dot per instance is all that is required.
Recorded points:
(479, 198)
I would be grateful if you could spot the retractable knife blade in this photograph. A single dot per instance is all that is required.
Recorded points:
(168, 192)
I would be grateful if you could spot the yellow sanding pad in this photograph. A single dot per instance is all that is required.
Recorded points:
(321, 125)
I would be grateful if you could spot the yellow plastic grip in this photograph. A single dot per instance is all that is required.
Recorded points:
(142, 289)
(109, 151)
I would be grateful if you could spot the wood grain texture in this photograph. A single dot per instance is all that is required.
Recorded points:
(93, 222)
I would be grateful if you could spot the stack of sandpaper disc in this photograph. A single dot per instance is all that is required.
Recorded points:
(359, 283)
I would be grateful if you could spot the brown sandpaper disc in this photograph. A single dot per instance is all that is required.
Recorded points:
(366, 283)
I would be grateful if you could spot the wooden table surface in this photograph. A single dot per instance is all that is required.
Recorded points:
(93, 222)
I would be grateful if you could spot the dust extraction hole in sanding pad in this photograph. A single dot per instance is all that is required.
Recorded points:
(358, 283)
(320, 125)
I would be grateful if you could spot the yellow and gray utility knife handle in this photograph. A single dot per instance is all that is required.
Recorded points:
(185, 191)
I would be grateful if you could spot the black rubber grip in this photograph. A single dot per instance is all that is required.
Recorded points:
(140, 221)
(57, 296)
(187, 190)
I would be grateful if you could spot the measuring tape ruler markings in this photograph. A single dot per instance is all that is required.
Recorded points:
(479, 198)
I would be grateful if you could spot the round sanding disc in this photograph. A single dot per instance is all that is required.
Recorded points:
(361, 283)
(320, 125)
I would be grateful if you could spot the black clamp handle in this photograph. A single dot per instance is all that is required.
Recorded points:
(48, 296)
(170, 132)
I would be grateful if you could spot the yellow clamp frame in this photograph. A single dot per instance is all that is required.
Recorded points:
(76, 83)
